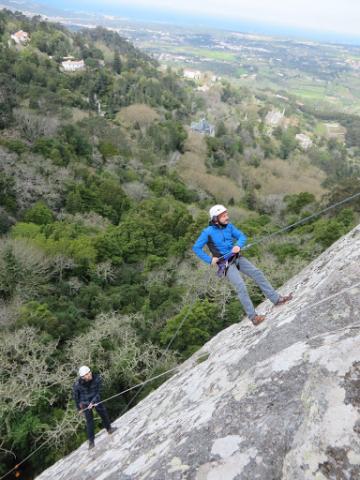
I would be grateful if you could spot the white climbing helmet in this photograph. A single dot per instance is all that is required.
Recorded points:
(216, 210)
(83, 370)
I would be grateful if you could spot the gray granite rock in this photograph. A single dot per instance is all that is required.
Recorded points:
(280, 401)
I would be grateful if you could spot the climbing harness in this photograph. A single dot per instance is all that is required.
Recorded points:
(131, 388)
(175, 368)
(224, 263)
(225, 257)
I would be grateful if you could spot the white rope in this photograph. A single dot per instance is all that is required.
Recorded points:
(171, 340)
(293, 225)
(344, 290)
(131, 388)
(330, 297)
(142, 384)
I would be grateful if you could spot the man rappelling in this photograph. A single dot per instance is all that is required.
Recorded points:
(225, 242)
(86, 392)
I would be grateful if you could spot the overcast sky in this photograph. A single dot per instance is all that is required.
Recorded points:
(341, 16)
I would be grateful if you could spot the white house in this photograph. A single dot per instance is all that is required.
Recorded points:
(20, 37)
(203, 88)
(192, 74)
(274, 118)
(73, 65)
(305, 142)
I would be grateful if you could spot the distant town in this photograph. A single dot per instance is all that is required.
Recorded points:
(315, 73)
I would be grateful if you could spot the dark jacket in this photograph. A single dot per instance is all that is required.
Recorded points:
(219, 239)
(87, 392)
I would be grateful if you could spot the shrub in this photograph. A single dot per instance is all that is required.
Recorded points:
(326, 232)
(76, 140)
(24, 269)
(8, 193)
(102, 195)
(172, 185)
(198, 324)
(14, 145)
(40, 214)
(295, 203)
(36, 315)
(53, 149)
(141, 233)
(108, 150)
(60, 238)
(284, 250)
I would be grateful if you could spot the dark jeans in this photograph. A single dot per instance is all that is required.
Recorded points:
(101, 410)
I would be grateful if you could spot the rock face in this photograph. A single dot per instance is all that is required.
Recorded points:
(280, 401)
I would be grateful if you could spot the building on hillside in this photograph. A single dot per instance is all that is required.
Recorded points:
(354, 63)
(274, 118)
(282, 97)
(305, 142)
(203, 88)
(335, 130)
(192, 74)
(20, 37)
(73, 65)
(204, 127)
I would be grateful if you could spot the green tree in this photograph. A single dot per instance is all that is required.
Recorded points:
(197, 323)
(141, 233)
(326, 232)
(77, 140)
(7, 99)
(7, 193)
(108, 150)
(220, 129)
(39, 214)
(37, 315)
(102, 195)
(54, 149)
(295, 203)
(344, 189)
(10, 273)
(172, 185)
(117, 66)
(288, 144)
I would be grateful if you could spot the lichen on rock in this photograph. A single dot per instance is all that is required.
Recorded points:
(280, 401)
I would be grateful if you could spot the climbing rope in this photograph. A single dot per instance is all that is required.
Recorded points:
(26, 458)
(255, 242)
(303, 220)
(142, 384)
(175, 368)
(330, 297)
(171, 340)
(299, 222)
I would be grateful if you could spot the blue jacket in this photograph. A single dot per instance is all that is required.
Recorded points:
(219, 239)
(86, 392)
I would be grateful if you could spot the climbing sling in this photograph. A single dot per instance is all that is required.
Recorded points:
(224, 263)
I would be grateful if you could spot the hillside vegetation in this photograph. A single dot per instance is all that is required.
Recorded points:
(104, 188)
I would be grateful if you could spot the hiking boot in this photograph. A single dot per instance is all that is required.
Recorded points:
(111, 430)
(258, 319)
(91, 444)
(284, 299)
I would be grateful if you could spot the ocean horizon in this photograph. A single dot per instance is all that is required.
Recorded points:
(161, 16)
